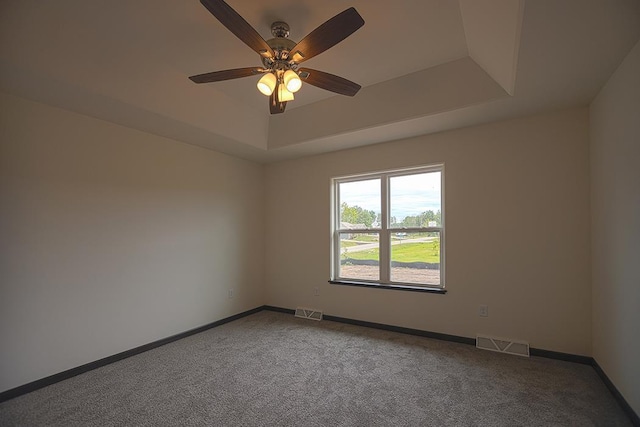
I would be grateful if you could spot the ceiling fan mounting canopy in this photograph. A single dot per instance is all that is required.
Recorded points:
(281, 56)
(280, 29)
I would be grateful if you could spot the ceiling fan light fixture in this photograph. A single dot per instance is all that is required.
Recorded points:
(292, 81)
(281, 56)
(284, 94)
(267, 84)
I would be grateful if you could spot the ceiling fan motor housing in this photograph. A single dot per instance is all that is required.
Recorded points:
(281, 45)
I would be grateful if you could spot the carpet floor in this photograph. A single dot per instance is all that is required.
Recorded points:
(272, 369)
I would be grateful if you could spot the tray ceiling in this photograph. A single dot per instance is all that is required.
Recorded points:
(425, 66)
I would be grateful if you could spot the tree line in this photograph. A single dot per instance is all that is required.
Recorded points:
(358, 215)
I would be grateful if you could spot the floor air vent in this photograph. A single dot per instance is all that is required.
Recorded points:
(308, 313)
(501, 345)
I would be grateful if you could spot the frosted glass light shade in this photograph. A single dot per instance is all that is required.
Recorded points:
(292, 81)
(267, 84)
(284, 94)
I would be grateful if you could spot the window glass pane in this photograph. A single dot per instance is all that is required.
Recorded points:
(415, 258)
(415, 200)
(360, 204)
(360, 256)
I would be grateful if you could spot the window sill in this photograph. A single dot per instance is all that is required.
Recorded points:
(427, 289)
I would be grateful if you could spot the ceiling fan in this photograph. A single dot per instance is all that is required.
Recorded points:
(281, 56)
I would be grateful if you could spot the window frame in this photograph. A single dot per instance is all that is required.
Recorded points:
(384, 230)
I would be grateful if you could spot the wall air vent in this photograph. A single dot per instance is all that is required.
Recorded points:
(309, 313)
(502, 345)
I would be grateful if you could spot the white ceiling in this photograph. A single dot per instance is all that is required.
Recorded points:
(425, 66)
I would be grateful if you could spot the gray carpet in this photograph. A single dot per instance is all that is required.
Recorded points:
(271, 369)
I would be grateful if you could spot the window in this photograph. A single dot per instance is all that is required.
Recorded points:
(388, 229)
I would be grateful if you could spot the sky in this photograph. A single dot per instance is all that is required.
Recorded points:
(410, 194)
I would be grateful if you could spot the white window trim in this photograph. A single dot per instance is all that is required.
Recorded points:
(384, 230)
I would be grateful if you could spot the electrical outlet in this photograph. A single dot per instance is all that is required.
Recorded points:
(230, 293)
(483, 311)
(316, 291)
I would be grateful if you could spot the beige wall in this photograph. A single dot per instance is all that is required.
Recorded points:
(615, 182)
(112, 238)
(517, 217)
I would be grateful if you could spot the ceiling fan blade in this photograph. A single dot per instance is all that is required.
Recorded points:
(327, 35)
(218, 76)
(275, 106)
(238, 26)
(329, 82)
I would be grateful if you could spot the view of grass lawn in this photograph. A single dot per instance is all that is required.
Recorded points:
(416, 252)
(346, 243)
(406, 252)
(373, 254)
